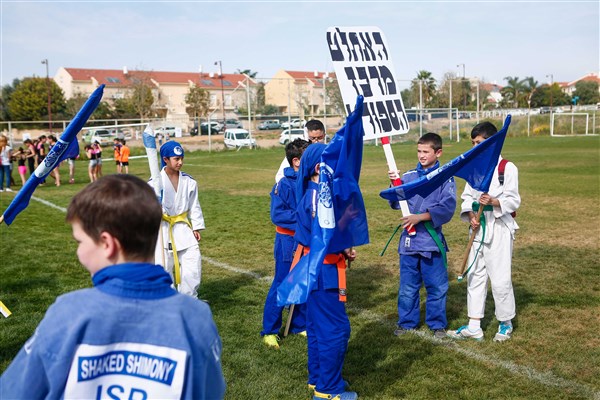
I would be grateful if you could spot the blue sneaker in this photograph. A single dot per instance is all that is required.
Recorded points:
(465, 333)
(504, 331)
(339, 396)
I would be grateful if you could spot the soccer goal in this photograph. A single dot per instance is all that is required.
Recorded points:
(570, 124)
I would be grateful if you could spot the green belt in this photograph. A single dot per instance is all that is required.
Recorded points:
(475, 206)
(434, 236)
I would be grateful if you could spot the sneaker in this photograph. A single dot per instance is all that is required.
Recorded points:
(303, 333)
(504, 331)
(271, 341)
(402, 331)
(9, 190)
(312, 387)
(339, 396)
(464, 333)
(440, 333)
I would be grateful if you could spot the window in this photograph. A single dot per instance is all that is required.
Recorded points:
(207, 82)
(226, 82)
(113, 80)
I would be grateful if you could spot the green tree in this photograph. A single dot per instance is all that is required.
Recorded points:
(249, 72)
(260, 96)
(198, 100)
(74, 104)
(425, 82)
(587, 92)
(335, 105)
(7, 91)
(140, 97)
(547, 95)
(407, 99)
(529, 87)
(269, 109)
(512, 92)
(29, 101)
(461, 89)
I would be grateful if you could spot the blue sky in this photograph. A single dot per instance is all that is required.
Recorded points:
(492, 39)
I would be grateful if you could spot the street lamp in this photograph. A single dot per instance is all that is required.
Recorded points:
(551, 84)
(45, 61)
(463, 85)
(222, 92)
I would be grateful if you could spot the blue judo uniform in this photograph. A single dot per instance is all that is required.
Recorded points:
(421, 261)
(327, 323)
(131, 336)
(283, 215)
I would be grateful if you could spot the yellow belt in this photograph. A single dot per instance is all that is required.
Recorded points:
(172, 220)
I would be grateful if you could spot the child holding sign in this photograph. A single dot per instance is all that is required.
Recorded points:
(423, 256)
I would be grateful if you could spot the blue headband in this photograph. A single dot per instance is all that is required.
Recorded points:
(170, 149)
(310, 159)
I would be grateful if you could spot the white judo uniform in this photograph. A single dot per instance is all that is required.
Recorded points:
(177, 202)
(493, 251)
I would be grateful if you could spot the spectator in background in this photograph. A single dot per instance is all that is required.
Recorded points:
(21, 156)
(98, 151)
(5, 161)
(91, 155)
(124, 156)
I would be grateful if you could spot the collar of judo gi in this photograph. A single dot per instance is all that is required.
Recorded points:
(310, 159)
(139, 280)
(170, 149)
(423, 172)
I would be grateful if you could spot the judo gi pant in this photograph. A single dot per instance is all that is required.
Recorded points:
(416, 270)
(283, 251)
(494, 260)
(190, 267)
(328, 330)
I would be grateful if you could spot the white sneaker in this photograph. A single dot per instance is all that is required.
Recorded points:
(465, 333)
(504, 331)
(9, 190)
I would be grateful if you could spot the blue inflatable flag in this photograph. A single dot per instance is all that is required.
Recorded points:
(476, 166)
(65, 147)
(341, 220)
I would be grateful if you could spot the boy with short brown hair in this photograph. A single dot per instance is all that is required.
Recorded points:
(130, 335)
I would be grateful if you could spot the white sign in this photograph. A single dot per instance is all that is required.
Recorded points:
(363, 66)
(134, 371)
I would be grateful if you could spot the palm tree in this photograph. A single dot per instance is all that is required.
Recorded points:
(529, 87)
(428, 86)
(512, 90)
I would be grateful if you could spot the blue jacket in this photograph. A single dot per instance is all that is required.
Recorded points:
(306, 212)
(120, 339)
(441, 204)
(283, 200)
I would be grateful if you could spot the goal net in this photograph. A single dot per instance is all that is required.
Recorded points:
(570, 124)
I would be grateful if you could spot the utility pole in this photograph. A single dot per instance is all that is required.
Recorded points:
(222, 92)
(463, 86)
(45, 61)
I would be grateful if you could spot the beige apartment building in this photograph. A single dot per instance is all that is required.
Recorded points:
(301, 93)
(169, 88)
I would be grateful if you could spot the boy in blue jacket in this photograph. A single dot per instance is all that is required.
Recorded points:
(283, 216)
(131, 335)
(423, 256)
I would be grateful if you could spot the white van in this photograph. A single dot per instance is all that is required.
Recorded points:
(236, 138)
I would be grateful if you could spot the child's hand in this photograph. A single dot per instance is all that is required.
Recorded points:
(473, 221)
(197, 235)
(412, 219)
(393, 175)
(350, 254)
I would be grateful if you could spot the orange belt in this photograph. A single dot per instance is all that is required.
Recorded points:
(330, 259)
(284, 231)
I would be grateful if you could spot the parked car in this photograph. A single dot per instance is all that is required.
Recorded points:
(233, 123)
(103, 136)
(269, 124)
(295, 123)
(238, 138)
(289, 135)
(545, 110)
(166, 131)
(215, 128)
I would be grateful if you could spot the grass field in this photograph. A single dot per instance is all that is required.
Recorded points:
(555, 350)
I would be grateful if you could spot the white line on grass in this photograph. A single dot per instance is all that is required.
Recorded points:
(545, 378)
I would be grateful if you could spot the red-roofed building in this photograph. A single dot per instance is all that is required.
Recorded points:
(169, 88)
(569, 87)
(301, 93)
